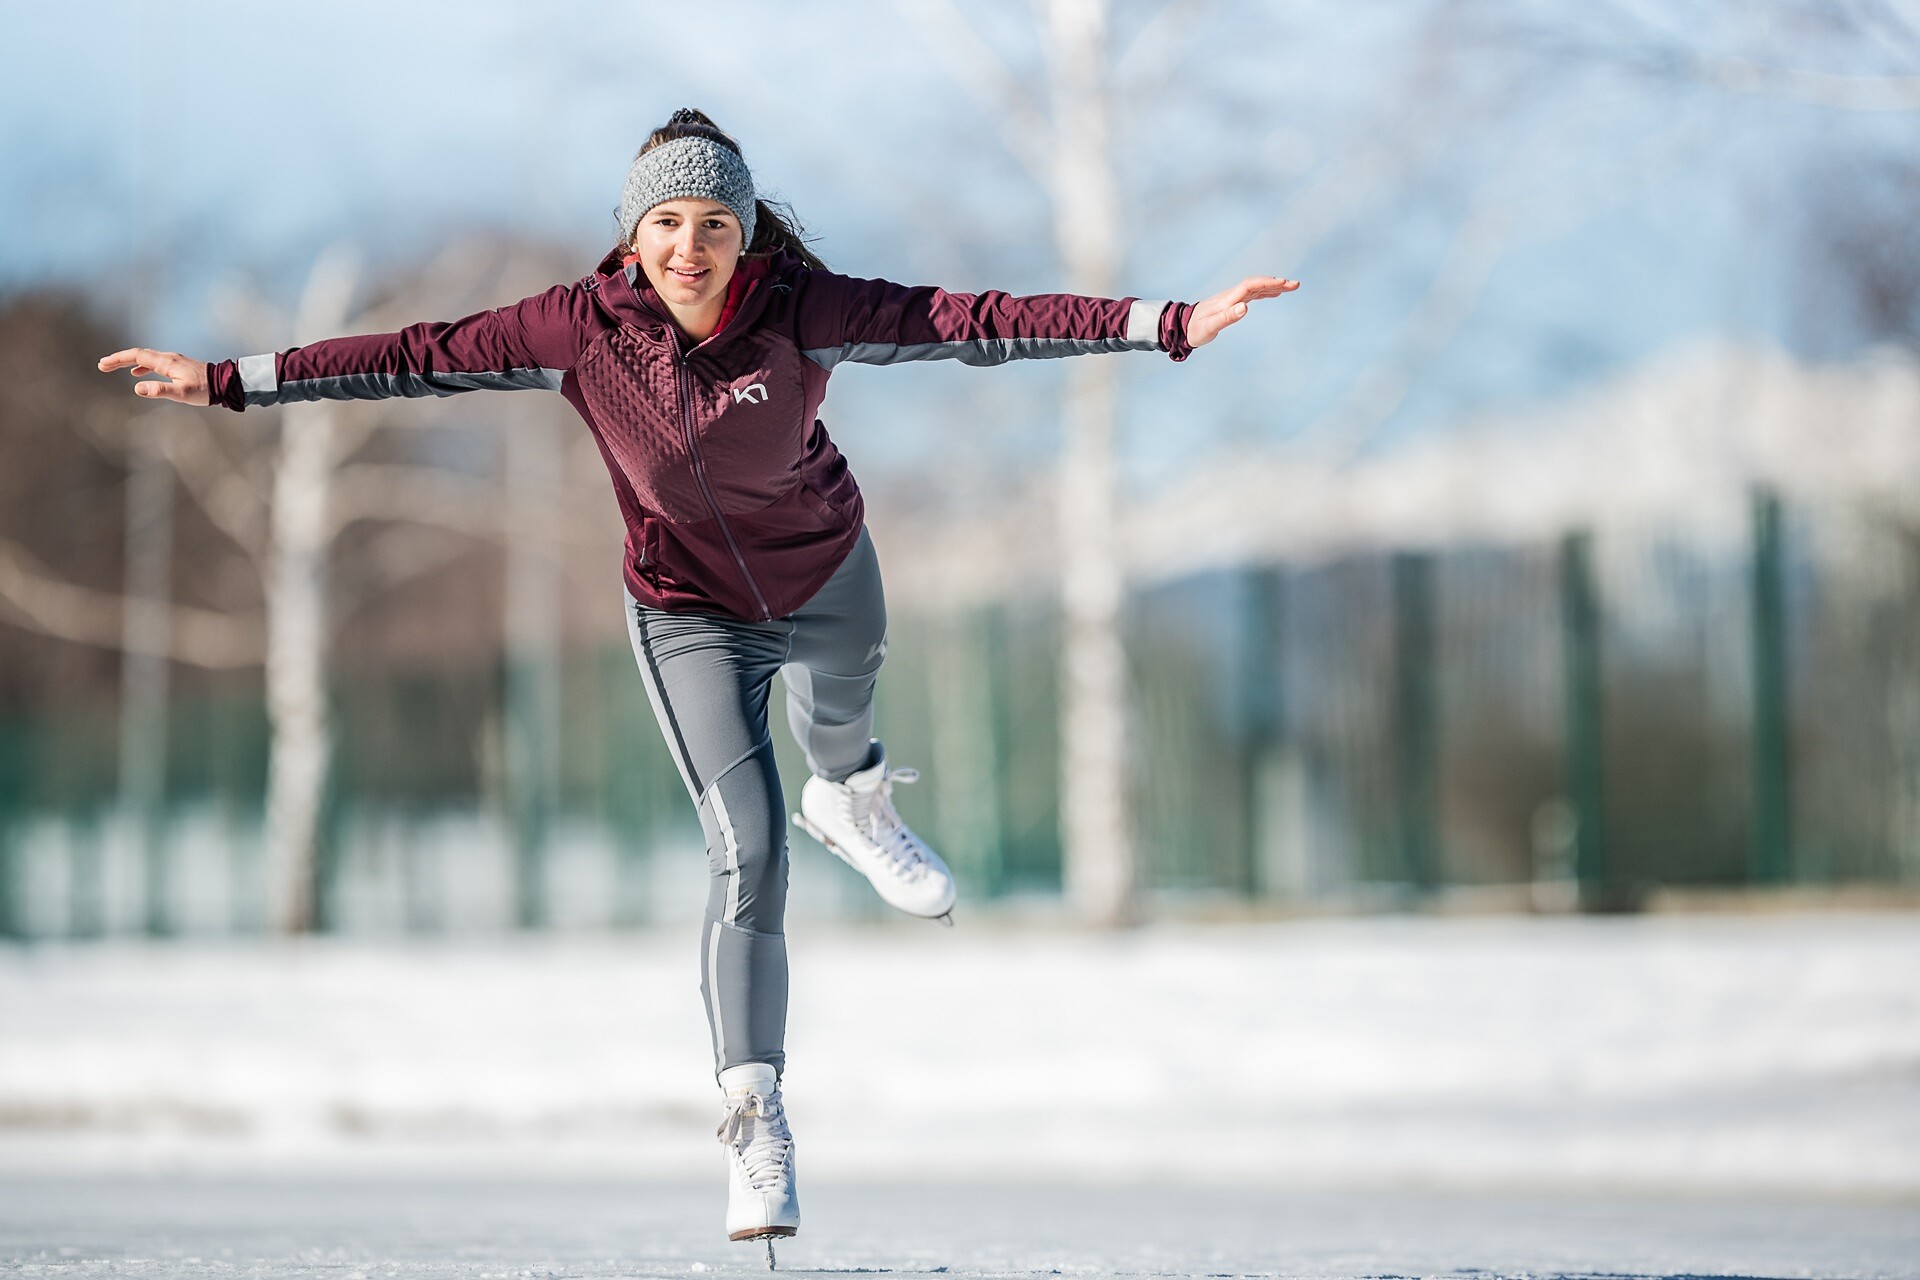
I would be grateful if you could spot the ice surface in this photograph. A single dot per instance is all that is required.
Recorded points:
(363, 1229)
(1767, 1055)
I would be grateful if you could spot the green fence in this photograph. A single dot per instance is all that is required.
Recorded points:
(1606, 714)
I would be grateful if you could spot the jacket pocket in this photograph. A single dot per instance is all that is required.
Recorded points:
(819, 503)
(647, 549)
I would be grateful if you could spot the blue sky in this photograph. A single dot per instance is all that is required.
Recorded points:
(201, 141)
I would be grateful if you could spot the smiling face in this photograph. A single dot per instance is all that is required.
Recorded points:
(689, 250)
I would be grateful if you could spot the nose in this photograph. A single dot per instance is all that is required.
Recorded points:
(685, 241)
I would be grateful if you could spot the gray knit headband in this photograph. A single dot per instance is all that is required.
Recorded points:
(688, 168)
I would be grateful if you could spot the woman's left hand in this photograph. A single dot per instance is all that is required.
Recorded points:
(1229, 305)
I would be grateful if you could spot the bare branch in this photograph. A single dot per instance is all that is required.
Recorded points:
(398, 555)
(459, 275)
(1817, 88)
(419, 495)
(1867, 93)
(1311, 216)
(1456, 290)
(985, 75)
(1149, 61)
(1889, 28)
(219, 486)
(248, 320)
(58, 608)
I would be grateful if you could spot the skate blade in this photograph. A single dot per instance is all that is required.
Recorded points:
(763, 1233)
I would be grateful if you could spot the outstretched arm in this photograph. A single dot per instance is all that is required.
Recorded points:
(839, 318)
(530, 344)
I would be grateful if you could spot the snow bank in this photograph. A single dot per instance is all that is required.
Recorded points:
(1713, 1054)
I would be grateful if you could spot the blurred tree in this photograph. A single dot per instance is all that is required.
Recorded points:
(1068, 146)
(1858, 272)
(326, 480)
(63, 442)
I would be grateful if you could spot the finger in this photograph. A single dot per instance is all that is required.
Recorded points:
(122, 359)
(1265, 287)
(142, 360)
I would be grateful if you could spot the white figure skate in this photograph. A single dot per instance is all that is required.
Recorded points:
(761, 1202)
(857, 821)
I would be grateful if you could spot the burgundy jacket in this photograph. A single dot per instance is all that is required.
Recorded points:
(734, 498)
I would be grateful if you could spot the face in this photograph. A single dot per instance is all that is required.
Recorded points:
(689, 250)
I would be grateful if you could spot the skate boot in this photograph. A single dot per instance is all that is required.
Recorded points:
(856, 820)
(760, 1196)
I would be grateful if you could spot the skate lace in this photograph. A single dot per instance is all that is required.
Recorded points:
(755, 1126)
(873, 812)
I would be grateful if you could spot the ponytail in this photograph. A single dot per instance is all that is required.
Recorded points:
(776, 230)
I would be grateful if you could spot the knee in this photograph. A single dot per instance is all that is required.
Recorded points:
(745, 821)
(749, 884)
(762, 865)
(748, 839)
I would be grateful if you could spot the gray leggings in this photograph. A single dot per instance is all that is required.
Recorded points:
(708, 677)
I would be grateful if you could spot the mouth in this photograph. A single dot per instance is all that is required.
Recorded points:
(686, 276)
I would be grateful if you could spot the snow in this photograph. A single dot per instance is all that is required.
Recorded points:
(1767, 1055)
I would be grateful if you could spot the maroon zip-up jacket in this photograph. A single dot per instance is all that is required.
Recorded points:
(734, 498)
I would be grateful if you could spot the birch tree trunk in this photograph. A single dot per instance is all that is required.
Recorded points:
(533, 693)
(1096, 831)
(301, 738)
(146, 641)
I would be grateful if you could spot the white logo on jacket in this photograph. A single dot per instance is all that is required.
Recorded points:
(743, 394)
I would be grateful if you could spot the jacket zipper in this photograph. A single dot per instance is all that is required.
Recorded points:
(685, 379)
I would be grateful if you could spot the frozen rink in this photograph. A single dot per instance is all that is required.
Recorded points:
(1648, 1096)
(362, 1230)
(1769, 1055)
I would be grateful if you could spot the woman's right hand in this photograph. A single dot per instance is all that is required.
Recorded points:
(185, 380)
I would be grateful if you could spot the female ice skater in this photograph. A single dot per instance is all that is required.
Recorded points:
(698, 352)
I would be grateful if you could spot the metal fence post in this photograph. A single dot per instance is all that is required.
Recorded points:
(1416, 745)
(1770, 857)
(1585, 740)
(1260, 702)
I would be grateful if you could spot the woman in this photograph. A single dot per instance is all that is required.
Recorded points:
(698, 353)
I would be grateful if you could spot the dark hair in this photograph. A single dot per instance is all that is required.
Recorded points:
(775, 229)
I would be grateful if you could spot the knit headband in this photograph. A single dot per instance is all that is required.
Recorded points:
(688, 168)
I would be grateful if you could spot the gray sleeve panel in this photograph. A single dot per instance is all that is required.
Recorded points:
(1143, 321)
(983, 351)
(382, 386)
(257, 373)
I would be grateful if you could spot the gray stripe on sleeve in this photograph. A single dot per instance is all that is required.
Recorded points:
(257, 373)
(977, 351)
(382, 386)
(1143, 322)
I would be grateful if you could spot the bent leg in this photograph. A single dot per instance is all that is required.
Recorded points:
(708, 679)
(839, 642)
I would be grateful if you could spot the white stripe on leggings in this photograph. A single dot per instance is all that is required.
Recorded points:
(661, 712)
(713, 992)
(731, 844)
